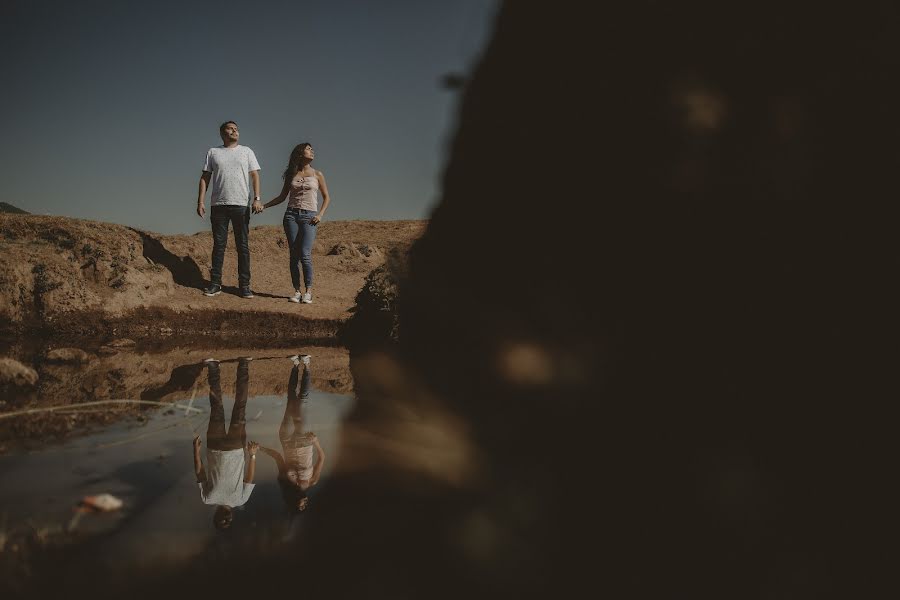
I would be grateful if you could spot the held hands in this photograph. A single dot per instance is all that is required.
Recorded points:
(257, 207)
(252, 448)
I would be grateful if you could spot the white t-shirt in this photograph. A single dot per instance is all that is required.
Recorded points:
(230, 168)
(225, 478)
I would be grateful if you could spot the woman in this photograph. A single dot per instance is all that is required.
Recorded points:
(302, 184)
(297, 471)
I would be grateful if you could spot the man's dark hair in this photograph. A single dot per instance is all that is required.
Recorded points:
(223, 125)
(222, 518)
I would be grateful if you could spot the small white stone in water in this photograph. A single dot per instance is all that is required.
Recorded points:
(103, 502)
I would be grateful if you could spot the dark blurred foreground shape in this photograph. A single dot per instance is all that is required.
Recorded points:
(659, 293)
(660, 286)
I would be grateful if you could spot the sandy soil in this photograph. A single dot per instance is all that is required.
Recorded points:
(69, 276)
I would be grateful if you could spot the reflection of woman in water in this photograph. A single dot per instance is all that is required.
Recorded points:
(297, 471)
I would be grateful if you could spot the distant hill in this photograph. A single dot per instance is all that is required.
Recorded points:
(9, 208)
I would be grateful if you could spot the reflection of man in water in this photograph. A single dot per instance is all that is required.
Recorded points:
(296, 470)
(223, 482)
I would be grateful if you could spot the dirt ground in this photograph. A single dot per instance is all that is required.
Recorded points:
(130, 301)
(74, 277)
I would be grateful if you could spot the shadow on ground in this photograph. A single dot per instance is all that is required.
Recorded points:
(184, 269)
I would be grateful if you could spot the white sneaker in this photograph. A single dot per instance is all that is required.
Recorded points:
(300, 358)
(307, 298)
(296, 297)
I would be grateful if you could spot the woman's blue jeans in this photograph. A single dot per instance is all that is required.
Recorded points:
(300, 236)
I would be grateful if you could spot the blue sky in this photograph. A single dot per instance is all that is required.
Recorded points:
(109, 107)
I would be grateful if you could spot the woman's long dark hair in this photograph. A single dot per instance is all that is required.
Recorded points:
(291, 493)
(294, 161)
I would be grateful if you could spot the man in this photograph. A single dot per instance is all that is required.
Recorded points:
(227, 480)
(231, 168)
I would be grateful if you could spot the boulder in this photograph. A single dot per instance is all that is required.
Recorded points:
(15, 374)
(347, 249)
(68, 355)
(370, 251)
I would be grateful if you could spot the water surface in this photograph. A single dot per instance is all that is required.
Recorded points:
(143, 454)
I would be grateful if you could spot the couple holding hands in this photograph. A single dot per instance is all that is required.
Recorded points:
(231, 169)
(227, 479)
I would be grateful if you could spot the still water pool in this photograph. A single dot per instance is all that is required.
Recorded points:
(80, 441)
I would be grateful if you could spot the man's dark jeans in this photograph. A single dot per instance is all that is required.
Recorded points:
(236, 436)
(239, 217)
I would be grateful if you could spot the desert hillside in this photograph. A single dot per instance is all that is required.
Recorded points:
(63, 276)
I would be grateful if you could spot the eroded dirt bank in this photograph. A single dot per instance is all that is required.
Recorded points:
(64, 277)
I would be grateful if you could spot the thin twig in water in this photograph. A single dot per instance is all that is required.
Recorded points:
(75, 411)
(70, 407)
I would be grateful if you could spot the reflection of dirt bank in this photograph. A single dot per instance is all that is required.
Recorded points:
(174, 376)
(231, 326)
